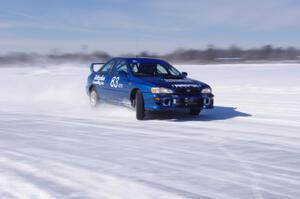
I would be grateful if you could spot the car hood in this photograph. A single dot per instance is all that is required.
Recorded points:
(173, 83)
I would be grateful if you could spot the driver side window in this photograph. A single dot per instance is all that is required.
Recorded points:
(161, 70)
(122, 66)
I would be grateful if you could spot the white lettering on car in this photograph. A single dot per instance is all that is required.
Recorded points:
(178, 80)
(186, 85)
(99, 80)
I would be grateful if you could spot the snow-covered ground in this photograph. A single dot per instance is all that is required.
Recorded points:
(53, 145)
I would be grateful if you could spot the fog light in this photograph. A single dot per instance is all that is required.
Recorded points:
(166, 102)
(206, 101)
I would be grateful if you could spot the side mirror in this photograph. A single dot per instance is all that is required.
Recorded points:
(122, 74)
(184, 74)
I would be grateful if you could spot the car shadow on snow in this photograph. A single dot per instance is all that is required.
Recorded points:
(218, 113)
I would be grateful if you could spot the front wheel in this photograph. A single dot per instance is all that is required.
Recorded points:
(139, 106)
(195, 111)
(94, 98)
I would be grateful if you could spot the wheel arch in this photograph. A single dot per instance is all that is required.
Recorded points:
(91, 87)
(133, 93)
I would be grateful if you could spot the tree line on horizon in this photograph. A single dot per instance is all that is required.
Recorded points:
(198, 56)
(233, 54)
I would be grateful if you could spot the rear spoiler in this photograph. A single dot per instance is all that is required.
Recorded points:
(98, 66)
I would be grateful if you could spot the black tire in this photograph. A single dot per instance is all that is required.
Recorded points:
(140, 107)
(94, 98)
(133, 102)
(195, 111)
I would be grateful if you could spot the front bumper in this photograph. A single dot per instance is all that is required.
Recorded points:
(178, 101)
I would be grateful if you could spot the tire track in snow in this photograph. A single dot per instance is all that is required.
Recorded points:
(176, 135)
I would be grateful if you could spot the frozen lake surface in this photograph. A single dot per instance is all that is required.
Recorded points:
(53, 145)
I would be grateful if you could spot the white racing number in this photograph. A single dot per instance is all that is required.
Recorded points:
(115, 82)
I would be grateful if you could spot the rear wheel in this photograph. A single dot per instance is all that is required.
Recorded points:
(139, 106)
(195, 111)
(94, 98)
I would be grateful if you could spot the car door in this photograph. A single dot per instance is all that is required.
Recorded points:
(102, 80)
(119, 84)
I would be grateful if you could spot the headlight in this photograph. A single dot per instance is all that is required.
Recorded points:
(159, 90)
(206, 91)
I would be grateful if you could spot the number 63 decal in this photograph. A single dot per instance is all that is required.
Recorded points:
(114, 82)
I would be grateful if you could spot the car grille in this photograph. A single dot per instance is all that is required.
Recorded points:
(188, 90)
(189, 102)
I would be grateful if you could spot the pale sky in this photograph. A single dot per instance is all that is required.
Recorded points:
(121, 26)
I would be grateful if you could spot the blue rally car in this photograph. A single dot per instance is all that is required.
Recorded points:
(147, 85)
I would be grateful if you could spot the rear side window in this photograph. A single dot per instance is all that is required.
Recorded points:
(107, 67)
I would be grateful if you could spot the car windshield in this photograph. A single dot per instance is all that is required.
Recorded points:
(154, 69)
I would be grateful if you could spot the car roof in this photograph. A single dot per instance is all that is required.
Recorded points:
(141, 59)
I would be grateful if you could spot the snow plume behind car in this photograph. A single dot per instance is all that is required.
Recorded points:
(55, 89)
